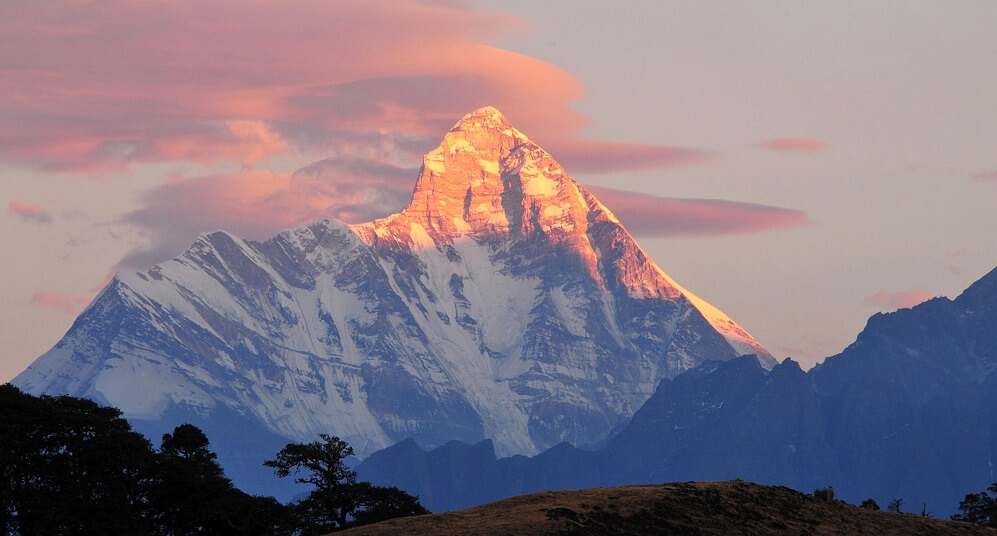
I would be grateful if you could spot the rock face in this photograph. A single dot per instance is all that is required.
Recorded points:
(907, 411)
(505, 302)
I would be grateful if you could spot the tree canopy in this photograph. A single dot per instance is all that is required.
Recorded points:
(337, 501)
(69, 466)
(979, 508)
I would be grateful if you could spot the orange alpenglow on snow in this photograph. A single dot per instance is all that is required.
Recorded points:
(488, 179)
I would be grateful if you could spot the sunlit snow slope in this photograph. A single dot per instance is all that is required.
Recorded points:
(505, 302)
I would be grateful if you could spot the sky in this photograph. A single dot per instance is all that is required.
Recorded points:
(800, 165)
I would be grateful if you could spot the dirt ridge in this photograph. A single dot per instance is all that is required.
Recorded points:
(682, 508)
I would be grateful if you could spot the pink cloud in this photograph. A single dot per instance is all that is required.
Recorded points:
(987, 176)
(647, 215)
(795, 144)
(258, 204)
(70, 303)
(891, 301)
(590, 156)
(59, 301)
(96, 85)
(29, 212)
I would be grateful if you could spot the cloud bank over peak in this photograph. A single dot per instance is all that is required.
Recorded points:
(258, 204)
(98, 86)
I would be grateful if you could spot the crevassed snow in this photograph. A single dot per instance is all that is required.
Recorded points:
(550, 212)
(460, 144)
(460, 225)
(420, 238)
(490, 166)
(536, 184)
(434, 162)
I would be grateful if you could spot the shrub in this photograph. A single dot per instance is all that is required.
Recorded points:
(824, 494)
(870, 504)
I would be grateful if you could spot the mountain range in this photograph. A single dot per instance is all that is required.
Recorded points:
(505, 334)
(505, 303)
(905, 412)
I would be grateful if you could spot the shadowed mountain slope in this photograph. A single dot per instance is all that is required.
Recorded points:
(907, 411)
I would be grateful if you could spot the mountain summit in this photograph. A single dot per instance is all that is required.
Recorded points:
(505, 302)
(490, 183)
(487, 180)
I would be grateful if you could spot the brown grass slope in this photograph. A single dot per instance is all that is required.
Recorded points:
(687, 508)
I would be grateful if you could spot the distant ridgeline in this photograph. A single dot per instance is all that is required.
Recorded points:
(907, 411)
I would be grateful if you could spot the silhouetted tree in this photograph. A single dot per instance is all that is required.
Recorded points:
(380, 503)
(824, 494)
(70, 466)
(329, 506)
(192, 495)
(188, 483)
(870, 504)
(338, 500)
(979, 508)
(895, 505)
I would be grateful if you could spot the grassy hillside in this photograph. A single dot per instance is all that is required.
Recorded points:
(691, 508)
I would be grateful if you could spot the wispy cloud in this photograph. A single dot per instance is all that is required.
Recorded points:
(647, 215)
(805, 145)
(985, 176)
(66, 303)
(890, 301)
(592, 156)
(29, 212)
(96, 86)
(258, 204)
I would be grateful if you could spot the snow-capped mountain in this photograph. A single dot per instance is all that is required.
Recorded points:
(908, 410)
(504, 302)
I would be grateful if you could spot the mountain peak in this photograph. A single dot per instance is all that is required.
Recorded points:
(502, 299)
(487, 116)
(489, 180)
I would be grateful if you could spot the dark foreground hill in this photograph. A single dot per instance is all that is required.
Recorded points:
(691, 508)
